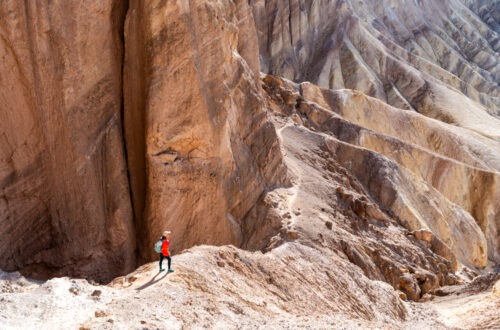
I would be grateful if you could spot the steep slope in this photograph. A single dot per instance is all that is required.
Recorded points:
(433, 176)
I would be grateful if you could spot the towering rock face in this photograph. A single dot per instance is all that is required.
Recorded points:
(437, 58)
(64, 196)
(201, 151)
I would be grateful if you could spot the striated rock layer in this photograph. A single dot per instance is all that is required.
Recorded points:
(437, 58)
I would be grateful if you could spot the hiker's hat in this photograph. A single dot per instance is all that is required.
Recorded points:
(166, 232)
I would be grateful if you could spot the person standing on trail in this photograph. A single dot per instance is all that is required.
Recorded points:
(165, 252)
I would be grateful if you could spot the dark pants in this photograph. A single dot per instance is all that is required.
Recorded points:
(165, 257)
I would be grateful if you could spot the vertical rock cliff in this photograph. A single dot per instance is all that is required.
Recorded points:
(201, 150)
(64, 199)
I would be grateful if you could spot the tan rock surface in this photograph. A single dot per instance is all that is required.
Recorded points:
(252, 290)
(64, 196)
(198, 96)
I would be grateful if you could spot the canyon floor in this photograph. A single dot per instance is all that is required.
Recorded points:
(195, 297)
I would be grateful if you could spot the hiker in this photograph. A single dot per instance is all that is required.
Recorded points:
(158, 246)
(165, 253)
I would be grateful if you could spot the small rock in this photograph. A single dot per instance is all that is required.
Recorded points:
(496, 289)
(222, 254)
(408, 285)
(359, 207)
(426, 297)
(440, 292)
(132, 279)
(143, 322)
(423, 235)
(427, 280)
(73, 290)
(289, 98)
(96, 293)
(451, 279)
(221, 263)
(329, 224)
(292, 234)
(100, 313)
(110, 321)
(402, 295)
(239, 266)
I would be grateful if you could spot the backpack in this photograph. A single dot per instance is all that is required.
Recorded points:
(158, 246)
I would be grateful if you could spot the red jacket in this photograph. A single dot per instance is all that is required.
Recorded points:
(164, 248)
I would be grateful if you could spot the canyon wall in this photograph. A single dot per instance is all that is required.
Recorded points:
(204, 151)
(92, 163)
(64, 199)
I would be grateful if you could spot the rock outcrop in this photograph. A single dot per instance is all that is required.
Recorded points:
(431, 176)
